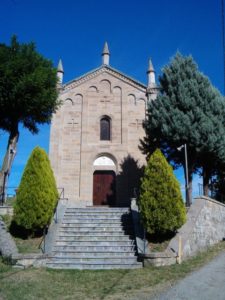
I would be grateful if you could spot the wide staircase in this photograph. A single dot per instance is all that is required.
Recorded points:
(95, 238)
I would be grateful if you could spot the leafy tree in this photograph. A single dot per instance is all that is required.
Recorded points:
(217, 185)
(37, 194)
(161, 205)
(28, 94)
(189, 110)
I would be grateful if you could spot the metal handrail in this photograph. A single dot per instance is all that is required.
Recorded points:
(212, 193)
(144, 238)
(45, 230)
(61, 197)
(15, 188)
(200, 189)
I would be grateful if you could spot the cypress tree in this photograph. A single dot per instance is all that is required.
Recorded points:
(161, 205)
(37, 193)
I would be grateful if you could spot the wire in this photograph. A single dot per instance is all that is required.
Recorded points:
(223, 40)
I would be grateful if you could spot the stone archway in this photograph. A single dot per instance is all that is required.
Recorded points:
(104, 181)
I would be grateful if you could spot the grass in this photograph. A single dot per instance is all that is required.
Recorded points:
(24, 245)
(158, 243)
(158, 246)
(111, 284)
(29, 245)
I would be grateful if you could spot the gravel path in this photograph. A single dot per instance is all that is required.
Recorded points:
(208, 283)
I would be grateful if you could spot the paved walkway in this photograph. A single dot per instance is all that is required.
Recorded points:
(208, 283)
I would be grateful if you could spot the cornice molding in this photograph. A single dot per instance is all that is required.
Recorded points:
(107, 69)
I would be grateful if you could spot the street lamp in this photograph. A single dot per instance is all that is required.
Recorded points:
(186, 171)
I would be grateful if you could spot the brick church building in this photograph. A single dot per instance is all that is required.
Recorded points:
(95, 134)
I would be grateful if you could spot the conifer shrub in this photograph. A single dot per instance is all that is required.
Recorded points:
(37, 193)
(161, 205)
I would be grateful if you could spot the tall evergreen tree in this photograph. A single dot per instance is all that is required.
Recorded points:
(37, 194)
(161, 205)
(189, 110)
(28, 94)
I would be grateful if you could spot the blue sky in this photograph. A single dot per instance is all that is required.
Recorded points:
(75, 31)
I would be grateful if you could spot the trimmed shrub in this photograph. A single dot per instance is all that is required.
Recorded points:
(37, 194)
(161, 205)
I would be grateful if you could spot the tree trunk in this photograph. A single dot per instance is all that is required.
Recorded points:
(8, 161)
(206, 177)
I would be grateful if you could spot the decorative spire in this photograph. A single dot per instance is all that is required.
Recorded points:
(150, 66)
(151, 74)
(60, 67)
(105, 54)
(152, 88)
(60, 72)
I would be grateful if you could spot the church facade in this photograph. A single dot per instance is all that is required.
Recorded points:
(95, 135)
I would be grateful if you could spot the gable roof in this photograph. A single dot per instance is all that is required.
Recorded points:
(104, 68)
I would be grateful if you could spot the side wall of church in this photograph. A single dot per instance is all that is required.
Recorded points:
(75, 136)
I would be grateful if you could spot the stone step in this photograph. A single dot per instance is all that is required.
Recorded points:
(95, 260)
(92, 221)
(97, 232)
(94, 248)
(95, 218)
(99, 209)
(94, 243)
(91, 228)
(90, 266)
(93, 225)
(93, 238)
(93, 231)
(96, 214)
(90, 231)
(91, 254)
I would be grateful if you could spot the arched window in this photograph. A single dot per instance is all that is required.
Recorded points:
(105, 129)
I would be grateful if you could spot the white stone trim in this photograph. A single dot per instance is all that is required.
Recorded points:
(104, 161)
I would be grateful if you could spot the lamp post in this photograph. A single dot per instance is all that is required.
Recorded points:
(186, 173)
(187, 181)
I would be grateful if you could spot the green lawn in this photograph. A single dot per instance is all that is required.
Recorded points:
(30, 245)
(24, 245)
(113, 284)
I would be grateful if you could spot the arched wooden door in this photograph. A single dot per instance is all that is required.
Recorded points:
(104, 188)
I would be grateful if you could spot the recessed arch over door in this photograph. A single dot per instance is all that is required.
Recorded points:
(104, 181)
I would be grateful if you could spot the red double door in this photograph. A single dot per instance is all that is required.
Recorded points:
(104, 188)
